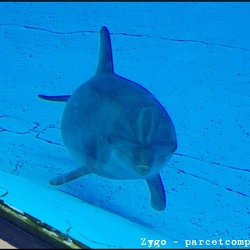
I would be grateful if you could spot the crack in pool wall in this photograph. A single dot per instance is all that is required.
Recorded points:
(46, 140)
(210, 181)
(67, 230)
(212, 162)
(26, 130)
(16, 132)
(3, 192)
(186, 41)
(18, 165)
(50, 31)
(102, 244)
(214, 183)
(131, 35)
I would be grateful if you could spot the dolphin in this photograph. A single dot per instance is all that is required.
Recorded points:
(115, 128)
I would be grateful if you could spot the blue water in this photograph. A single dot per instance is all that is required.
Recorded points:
(194, 58)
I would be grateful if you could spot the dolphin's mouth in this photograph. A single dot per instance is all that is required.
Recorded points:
(142, 169)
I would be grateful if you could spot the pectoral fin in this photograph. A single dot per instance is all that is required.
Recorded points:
(158, 198)
(75, 174)
(57, 98)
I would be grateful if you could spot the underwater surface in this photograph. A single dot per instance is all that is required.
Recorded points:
(193, 57)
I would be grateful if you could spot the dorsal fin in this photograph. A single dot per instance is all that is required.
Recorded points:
(105, 63)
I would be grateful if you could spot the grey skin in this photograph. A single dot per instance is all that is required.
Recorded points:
(117, 129)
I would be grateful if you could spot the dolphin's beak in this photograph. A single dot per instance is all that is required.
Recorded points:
(142, 169)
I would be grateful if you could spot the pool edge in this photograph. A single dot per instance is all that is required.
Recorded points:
(39, 230)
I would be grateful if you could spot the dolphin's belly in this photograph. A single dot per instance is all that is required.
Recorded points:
(117, 169)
